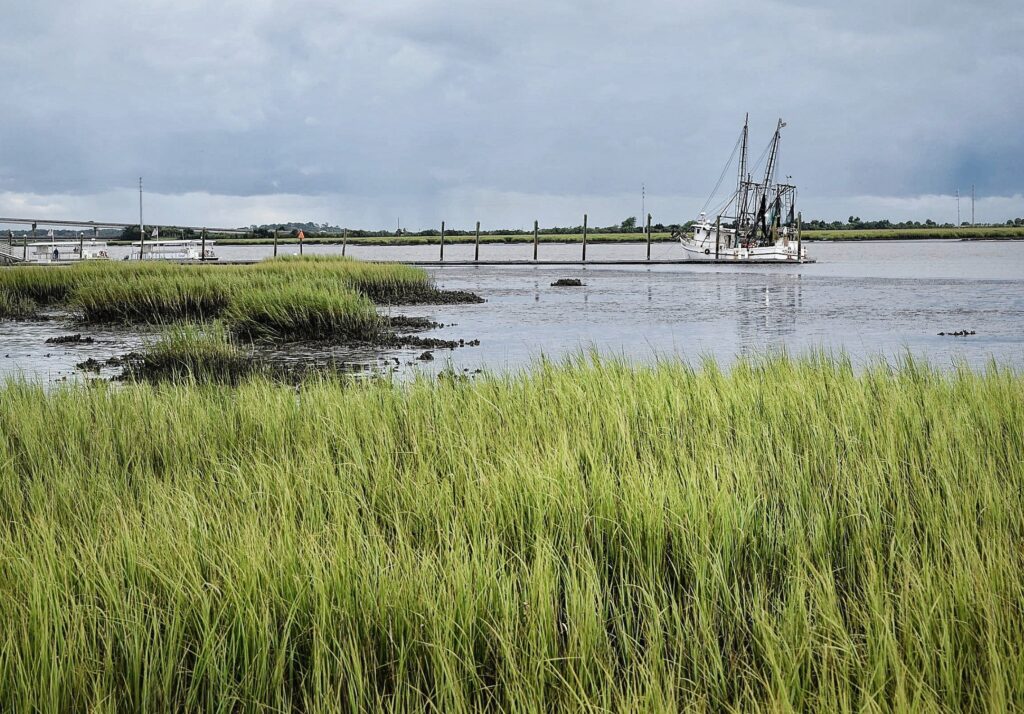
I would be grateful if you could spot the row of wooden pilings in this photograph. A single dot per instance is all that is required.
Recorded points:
(476, 242)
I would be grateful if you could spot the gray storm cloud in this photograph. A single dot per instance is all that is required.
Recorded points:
(423, 105)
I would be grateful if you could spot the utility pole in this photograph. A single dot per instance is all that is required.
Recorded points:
(972, 205)
(643, 202)
(958, 207)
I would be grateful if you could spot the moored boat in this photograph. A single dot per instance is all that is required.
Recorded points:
(759, 221)
(177, 250)
(65, 251)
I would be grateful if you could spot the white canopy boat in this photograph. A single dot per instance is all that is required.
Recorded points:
(66, 251)
(173, 250)
(758, 222)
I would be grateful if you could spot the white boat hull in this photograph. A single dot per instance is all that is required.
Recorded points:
(779, 252)
(703, 245)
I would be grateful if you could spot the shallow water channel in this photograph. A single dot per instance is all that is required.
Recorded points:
(865, 298)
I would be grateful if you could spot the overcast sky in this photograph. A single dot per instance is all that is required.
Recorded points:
(359, 113)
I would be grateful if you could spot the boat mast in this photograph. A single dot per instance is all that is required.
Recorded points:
(769, 180)
(769, 173)
(741, 188)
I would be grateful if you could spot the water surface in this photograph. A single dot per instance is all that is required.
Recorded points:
(866, 298)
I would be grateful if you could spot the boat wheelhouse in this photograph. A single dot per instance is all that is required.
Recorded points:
(178, 250)
(757, 223)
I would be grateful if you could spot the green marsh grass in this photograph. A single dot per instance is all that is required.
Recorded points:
(193, 352)
(296, 298)
(785, 535)
(16, 307)
(293, 312)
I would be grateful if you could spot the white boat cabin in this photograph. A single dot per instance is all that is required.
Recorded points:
(173, 250)
(66, 251)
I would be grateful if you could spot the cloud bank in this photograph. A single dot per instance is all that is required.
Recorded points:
(364, 113)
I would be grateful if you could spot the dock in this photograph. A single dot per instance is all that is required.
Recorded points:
(550, 263)
(585, 263)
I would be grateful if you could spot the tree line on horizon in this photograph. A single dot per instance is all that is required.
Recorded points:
(629, 225)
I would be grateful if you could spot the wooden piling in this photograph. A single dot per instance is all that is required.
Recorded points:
(81, 245)
(584, 237)
(476, 250)
(648, 236)
(799, 236)
(24, 244)
(718, 235)
(202, 245)
(344, 241)
(442, 241)
(275, 242)
(535, 240)
(302, 234)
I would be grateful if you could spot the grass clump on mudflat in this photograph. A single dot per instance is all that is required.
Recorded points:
(190, 352)
(153, 298)
(293, 312)
(380, 283)
(16, 307)
(44, 287)
(785, 535)
(284, 298)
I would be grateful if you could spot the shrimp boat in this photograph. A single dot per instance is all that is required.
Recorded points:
(177, 250)
(758, 223)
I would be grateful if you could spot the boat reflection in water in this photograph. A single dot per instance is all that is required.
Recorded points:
(768, 314)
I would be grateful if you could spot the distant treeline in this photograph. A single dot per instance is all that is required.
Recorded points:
(628, 226)
(854, 223)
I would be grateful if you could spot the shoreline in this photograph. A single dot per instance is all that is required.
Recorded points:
(994, 234)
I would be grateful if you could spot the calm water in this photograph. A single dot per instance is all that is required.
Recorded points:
(868, 299)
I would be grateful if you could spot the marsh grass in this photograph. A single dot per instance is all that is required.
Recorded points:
(287, 298)
(785, 535)
(193, 353)
(16, 307)
(42, 286)
(294, 312)
(380, 283)
(154, 298)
